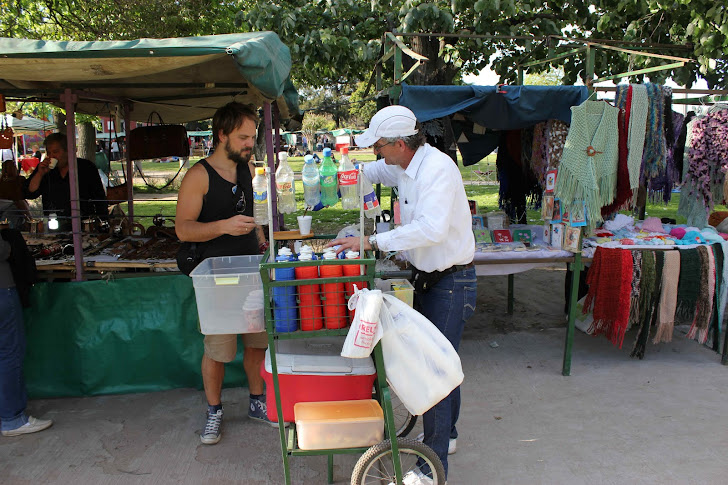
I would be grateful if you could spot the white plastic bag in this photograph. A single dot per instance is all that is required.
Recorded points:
(365, 330)
(422, 365)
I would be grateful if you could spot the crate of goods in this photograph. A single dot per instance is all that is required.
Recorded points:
(229, 294)
(313, 370)
(339, 424)
(399, 288)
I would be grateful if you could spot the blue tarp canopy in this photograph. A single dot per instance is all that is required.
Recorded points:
(494, 107)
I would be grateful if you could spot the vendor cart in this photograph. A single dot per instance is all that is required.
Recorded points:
(384, 462)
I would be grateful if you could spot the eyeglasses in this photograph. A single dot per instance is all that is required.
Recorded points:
(240, 205)
(379, 147)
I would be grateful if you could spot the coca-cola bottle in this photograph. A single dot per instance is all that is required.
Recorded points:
(347, 181)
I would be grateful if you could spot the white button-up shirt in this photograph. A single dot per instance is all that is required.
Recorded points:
(436, 231)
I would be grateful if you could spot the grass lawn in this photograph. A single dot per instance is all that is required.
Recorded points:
(331, 220)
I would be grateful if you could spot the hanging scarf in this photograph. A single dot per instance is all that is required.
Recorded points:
(723, 294)
(519, 188)
(623, 199)
(539, 160)
(679, 154)
(556, 131)
(588, 169)
(652, 263)
(668, 297)
(637, 129)
(704, 310)
(634, 295)
(719, 256)
(687, 290)
(660, 187)
(707, 152)
(609, 279)
(653, 157)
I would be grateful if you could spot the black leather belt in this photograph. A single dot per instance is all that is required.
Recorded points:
(424, 280)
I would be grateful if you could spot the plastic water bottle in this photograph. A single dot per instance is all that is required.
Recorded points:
(372, 208)
(329, 192)
(260, 197)
(347, 181)
(285, 186)
(311, 182)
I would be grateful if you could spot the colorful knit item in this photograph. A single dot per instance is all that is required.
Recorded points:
(610, 280)
(623, 199)
(556, 132)
(637, 130)
(634, 295)
(653, 158)
(723, 294)
(652, 263)
(660, 187)
(588, 169)
(708, 151)
(687, 290)
(539, 160)
(668, 297)
(704, 310)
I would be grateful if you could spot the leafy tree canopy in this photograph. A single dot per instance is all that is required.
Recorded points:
(338, 40)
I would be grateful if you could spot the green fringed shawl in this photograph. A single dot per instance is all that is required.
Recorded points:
(652, 263)
(688, 287)
(592, 179)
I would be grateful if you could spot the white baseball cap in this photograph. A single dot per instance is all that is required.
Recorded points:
(389, 122)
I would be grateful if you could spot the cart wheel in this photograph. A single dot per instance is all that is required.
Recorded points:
(403, 420)
(376, 465)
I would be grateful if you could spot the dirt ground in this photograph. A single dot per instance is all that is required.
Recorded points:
(538, 304)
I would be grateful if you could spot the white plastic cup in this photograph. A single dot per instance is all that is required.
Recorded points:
(304, 225)
(52, 163)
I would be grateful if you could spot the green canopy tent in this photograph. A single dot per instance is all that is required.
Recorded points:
(182, 79)
(133, 334)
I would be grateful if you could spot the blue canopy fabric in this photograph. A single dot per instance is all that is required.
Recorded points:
(494, 107)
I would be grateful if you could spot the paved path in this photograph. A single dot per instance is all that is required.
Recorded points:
(616, 420)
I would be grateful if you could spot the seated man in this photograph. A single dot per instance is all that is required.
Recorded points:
(13, 208)
(55, 187)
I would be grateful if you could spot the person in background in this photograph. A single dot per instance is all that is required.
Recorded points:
(215, 210)
(114, 150)
(36, 152)
(436, 237)
(54, 185)
(13, 208)
(13, 398)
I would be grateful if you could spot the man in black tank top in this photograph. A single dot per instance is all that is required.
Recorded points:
(215, 210)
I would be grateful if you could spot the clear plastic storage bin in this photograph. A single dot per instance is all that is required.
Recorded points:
(229, 295)
(399, 288)
(339, 424)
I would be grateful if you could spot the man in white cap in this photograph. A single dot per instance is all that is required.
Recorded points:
(435, 236)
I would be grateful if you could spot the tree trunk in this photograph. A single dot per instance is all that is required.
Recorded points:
(86, 141)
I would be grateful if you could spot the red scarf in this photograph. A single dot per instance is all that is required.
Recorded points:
(610, 283)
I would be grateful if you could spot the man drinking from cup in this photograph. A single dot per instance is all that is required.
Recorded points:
(50, 180)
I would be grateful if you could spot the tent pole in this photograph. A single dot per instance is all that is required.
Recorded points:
(70, 101)
(277, 126)
(129, 167)
(268, 126)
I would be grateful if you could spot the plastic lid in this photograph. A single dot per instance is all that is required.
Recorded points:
(344, 150)
(282, 155)
(308, 159)
(259, 171)
(330, 255)
(327, 152)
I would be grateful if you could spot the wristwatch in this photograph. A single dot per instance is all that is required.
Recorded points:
(373, 242)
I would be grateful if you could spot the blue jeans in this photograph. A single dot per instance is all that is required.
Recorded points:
(13, 398)
(448, 305)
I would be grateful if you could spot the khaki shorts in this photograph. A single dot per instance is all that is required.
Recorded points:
(222, 348)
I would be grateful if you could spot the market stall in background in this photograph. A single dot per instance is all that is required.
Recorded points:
(123, 304)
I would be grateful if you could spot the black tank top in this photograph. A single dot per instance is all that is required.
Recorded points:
(220, 203)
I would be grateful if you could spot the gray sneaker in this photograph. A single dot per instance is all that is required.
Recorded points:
(32, 426)
(258, 410)
(212, 433)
